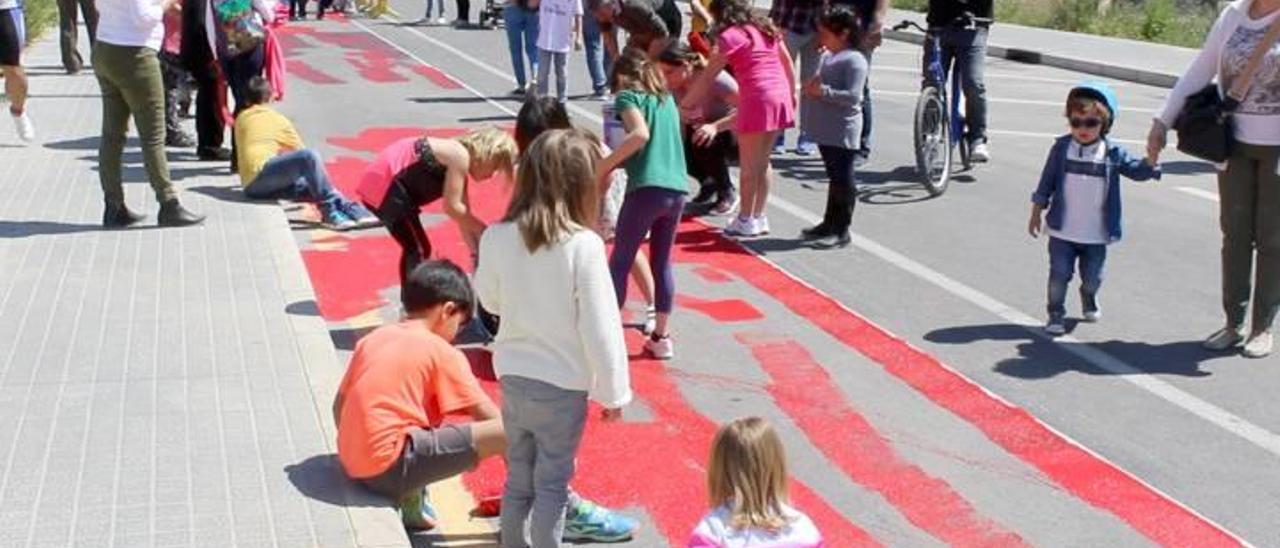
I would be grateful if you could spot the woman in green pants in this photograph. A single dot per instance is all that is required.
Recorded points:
(1249, 184)
(128, 71)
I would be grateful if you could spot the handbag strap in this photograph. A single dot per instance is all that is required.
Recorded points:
(1240, 87)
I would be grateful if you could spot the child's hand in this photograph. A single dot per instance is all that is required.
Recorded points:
(704, 135)
(813, 88)
(1033, 226)
(611, 415)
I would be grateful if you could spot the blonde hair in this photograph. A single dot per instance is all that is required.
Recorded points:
(491, 147)
(556, 192)
(748, 474)
(633, 70)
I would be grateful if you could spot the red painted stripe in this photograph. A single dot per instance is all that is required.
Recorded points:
(617, 465)
(303, 70)
(723, 310)
(806, 392)
(1075, 469)
(436, 76)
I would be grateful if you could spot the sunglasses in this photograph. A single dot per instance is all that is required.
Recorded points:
(1090, 123)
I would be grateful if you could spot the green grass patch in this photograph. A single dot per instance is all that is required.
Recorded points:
(41, 16)
(1176, 22)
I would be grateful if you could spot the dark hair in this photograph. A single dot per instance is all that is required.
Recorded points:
(732, 13)
(679, 54)
(840, 19)
(634, 71)
(537, 115)
(259, 91)
(434, 283)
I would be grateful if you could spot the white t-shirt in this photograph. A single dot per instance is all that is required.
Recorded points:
(555, 24)
(714, 531)
(1084, 195)
(8, 4)
(131, 23)
(560, 319)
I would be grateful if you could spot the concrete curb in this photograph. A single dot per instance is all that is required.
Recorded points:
(1128, 74)
(373, 523)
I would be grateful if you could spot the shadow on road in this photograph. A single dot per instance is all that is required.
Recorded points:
(25, 229)
(1187, 167)
(1040, 357)
(321, 478)
(432, 539)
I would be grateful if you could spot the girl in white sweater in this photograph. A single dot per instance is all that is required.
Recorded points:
(544, 271)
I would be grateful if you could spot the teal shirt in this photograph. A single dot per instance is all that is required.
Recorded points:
(661, 162)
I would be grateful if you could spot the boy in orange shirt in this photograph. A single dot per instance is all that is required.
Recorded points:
(403, 379)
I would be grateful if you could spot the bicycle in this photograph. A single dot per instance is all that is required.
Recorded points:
(939, 122)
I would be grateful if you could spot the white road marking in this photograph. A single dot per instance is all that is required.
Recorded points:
(1031, 102)
(1262, 438)
(1013, 133)
(1199, 193)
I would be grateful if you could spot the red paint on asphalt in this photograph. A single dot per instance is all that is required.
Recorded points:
(723, 310)
(805, 391)
(660, 465)
(1072, 467)
(377, 66)
(303, 70)
(436, 76)
(712, 275)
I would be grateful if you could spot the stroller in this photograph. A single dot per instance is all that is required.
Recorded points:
(491, 15)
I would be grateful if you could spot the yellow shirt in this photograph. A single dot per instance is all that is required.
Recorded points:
(700, 24)
(261, 133)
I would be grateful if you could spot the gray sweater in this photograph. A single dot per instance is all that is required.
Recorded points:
(835, 118)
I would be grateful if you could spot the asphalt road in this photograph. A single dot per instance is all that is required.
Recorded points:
(958, 277)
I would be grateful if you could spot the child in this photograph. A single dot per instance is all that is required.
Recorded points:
(708, 143)
(544, 272)
(275, 164)
(834, 118)
(559, 31)
(656, 185)
(416, 171)
(1080, 186)
(404, 378)
(747, 480)
(754, 46)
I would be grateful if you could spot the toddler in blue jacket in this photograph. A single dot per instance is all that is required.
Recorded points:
(1080, 186)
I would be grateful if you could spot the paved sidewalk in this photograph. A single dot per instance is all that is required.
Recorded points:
(156, 384)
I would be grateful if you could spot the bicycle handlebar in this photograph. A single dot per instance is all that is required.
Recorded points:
(966, 20)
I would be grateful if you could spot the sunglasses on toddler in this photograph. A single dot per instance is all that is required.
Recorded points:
(1089, 123)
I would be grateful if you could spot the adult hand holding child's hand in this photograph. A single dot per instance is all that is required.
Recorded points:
(1156, 141)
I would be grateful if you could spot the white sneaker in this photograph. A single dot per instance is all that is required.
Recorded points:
(661, 349)
(650, 320)
(761, 225)
(1055, 327)
(738, 227)
(980, 152)
(1092, 316)
(26, 130)
(442, 21)
(1259, 346)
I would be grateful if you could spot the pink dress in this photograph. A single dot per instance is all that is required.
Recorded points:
(764, 92)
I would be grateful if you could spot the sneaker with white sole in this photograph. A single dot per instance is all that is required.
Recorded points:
(1258, 346)
(660, 348)
(26, 130)
(361, 215)
(590, 522)
(1055, 326)
(979, 152)
(1093, 316)
(1224, 339)
(739, 226)
(417, 513)
(650, 320)
(333, 218)
(761, 225)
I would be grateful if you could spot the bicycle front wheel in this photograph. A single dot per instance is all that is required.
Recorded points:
(933, 141)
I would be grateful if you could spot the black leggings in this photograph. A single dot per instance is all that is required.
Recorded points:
(710, 163)
(415, 247)
(842, 192)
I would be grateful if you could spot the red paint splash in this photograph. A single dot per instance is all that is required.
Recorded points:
(613, 471)
(712, 275)
(303, 70)
(724, 310)
(436, 76)
(1076, 470)
(377, 66)
(806, 392)
(372, 58)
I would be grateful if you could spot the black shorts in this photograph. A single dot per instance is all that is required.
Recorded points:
(13, 35)
(428, 456)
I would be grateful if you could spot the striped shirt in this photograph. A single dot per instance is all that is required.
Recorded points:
(1084, 195)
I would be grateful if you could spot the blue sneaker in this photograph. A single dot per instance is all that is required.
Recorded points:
(417, 513)
(590, 522)
(333, 218)
(362, 217)
(805, 147)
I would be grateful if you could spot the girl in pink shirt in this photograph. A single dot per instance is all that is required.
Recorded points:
(754, 48)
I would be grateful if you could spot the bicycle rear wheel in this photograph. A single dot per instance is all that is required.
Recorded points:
(933, 141)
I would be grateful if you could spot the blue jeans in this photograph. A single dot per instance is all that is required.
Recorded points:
(297, 175)
(969, 49)
(597, 58)
(544, 425)
(522, 30)
(438, 4)
(1063, 256)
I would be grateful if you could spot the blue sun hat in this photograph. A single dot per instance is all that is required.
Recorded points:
(1102, 92)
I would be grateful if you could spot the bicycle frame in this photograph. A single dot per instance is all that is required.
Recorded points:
(938, 76)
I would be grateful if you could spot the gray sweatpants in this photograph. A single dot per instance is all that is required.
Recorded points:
(544, 428)
(1250, 217)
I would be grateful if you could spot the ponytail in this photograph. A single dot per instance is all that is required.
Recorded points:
(634, 71)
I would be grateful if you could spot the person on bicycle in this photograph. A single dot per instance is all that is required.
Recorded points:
(961, 28)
